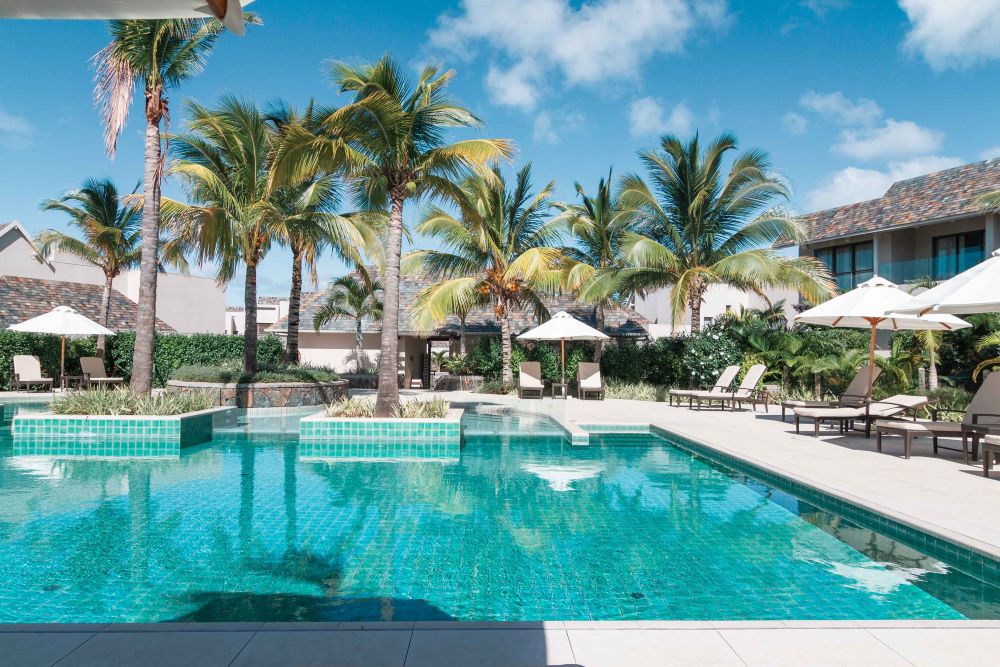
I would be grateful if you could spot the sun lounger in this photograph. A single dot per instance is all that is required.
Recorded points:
(529, 379)
(991, 450)
(94, 374)
(854, 396)
(722, 385)
(871, 411)
(746, 393)
(588, 376)
(28, 373)
(981, 417)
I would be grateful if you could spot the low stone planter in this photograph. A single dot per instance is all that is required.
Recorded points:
(381, 439)
(45, 433)
(266, 395)
(360, 380)
(459, 383)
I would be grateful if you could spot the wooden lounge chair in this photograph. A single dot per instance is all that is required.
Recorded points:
(588, 380)
(529, 379)
(746, 393)
(991, 450)
(854, 396)
(94, 374)
(722, 385)
(28, 373)
(887, 408)
(981, 417)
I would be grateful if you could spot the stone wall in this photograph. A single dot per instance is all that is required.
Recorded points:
(266, 395)
(459, 383)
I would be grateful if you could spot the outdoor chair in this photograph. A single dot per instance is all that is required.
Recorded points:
(94, 374)
(857, 392)
(747, 392)
(722, 385)
(588, 380)
(991, 450)
(888, 408)
(28, 373)
(981, 418)
(529, 380)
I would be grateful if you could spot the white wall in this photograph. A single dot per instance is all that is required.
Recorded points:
(336, 349)
(656, 307)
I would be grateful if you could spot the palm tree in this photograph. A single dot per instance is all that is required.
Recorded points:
(155, 55)
(392, 134)
(499, 252)
(599, 226)
(351, 299)
(110, 230)
(700, 226)
(224, 160)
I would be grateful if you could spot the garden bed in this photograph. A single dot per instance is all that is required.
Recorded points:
(266, 394)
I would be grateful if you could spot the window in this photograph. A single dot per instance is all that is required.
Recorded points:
(851, 264)
(955, 253)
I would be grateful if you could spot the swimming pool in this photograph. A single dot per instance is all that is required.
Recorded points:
(521, 527)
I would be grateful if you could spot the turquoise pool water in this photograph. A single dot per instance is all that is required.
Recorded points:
(521, 527)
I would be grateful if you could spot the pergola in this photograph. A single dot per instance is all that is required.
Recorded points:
(230, 12)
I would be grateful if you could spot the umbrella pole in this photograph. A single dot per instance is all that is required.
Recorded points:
(563, 340)
(62, 360)
(871, 357)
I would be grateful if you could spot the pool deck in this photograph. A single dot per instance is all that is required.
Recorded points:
(939, 495)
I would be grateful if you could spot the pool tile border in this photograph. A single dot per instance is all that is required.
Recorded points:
(381, 439)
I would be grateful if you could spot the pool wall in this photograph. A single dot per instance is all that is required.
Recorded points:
(382, 438)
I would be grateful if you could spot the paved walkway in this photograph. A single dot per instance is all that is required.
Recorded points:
(890, 644)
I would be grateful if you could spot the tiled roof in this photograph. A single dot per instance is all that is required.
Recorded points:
(269, 300)
(618, 321)
(941, 195)
(24, 298)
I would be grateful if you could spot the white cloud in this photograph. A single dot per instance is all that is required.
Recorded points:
(838, 108)
(647, 116)
(794, 123)
(855, 184)
(514, 87)
(16, 132)
(543, 131)
(893, 139)
(822, 7)
(549, 126)
(953, 33)
(599, 41)
(989, 153)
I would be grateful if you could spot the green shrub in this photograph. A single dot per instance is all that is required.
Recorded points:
(487, 358)
(434, 408)
(496, 387)
(946, 399)
(124, 402)
(231, 370)
(459, 364)
(634, 391)
(708, 354)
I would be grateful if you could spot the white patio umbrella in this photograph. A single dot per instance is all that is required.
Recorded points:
(974, 291)
(875, 304)
(62, 321)
(230, 12)
(563, 327)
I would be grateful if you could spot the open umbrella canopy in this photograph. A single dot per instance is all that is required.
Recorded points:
(230, 12)
(563, 326)
(974, 291)
(62, 321)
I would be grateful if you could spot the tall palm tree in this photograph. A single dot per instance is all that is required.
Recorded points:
(351, 299)
(110, 229)
(598, 225)
(223, 160)
(700, 225)
(393, 136)
(498, 252)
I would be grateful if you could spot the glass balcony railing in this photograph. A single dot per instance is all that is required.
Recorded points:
(938, 268)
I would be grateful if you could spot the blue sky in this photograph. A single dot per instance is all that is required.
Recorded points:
(846, 95)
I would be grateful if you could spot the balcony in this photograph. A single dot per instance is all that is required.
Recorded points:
(936, 269)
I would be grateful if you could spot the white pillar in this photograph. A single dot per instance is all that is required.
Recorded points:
(992, 234)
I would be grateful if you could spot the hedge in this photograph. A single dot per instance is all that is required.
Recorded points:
(170, 353)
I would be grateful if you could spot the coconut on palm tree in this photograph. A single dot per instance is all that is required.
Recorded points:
(351, 299)
(154, 55)
(598, 226)
(110, 230)
(393, 135)
(699, 224)
(500, 252)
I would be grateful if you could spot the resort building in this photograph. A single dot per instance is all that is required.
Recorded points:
(924, 227)
(184, 303)
(719, 300)
(334, 345)
(270, 309)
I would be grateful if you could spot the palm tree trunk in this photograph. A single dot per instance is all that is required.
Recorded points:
(932, 377)
(508, 350)
(359, 344)
(145, 314)
(294, 308)
(461, 334)
(599, 345)
(817, 387)
(694, 305)
(250, 332)
(388, 364)
(105, 313)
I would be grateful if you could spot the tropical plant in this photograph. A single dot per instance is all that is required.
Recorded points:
(154, 55)
(498, 252)
(126, 402)
(598, 225)
(699, 226)
(438, 358)
(356, 407)
(351, 299)
(392, 134)
(110, 230)
(459, 364)
(899, 367)
(985, 343)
